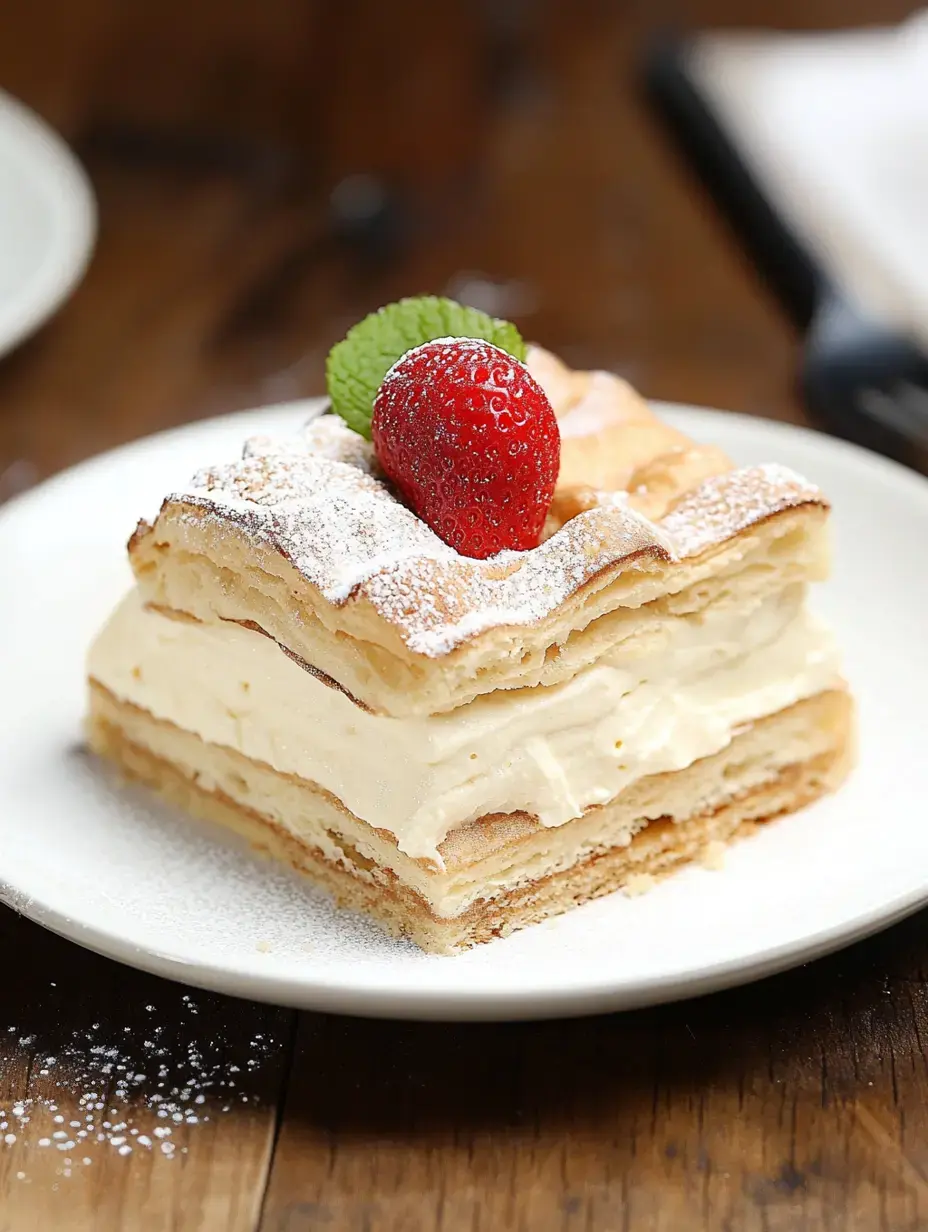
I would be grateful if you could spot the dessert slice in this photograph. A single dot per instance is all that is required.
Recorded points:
(463, 744)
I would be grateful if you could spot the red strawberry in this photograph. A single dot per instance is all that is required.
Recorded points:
(469, 438)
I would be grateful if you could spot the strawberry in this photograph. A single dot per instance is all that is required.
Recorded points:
(469, 439)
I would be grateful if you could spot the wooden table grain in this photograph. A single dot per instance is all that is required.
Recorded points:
(268, 170)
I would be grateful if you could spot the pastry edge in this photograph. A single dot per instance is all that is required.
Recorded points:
(656, 850)
(203, 569)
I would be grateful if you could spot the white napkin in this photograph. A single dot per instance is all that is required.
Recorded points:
(835, 128)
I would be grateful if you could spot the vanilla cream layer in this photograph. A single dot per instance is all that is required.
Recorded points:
(550, 751)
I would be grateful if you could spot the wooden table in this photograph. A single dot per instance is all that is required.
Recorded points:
(515, 159)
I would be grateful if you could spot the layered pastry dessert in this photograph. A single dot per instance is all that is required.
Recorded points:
(484, 640)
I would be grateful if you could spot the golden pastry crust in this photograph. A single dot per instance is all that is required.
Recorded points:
(502, 872)
(612, 442)
(649, 533)
(303, 538)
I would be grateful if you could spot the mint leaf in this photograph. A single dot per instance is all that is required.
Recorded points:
(356, 366)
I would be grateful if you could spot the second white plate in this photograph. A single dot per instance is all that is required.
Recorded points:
(47, 221)
(106, 866)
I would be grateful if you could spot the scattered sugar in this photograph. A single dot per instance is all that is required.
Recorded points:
(315, 498)
(727, 504)
(194, 1070)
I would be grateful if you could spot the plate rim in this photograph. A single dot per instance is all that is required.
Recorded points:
(64, 183)
(328, 994)
(417, 1005)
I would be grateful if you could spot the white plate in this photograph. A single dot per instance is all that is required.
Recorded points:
(47, 222)
(103, 865)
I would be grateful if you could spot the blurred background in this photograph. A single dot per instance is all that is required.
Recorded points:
(267, 171)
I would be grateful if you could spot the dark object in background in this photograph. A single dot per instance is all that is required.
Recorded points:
(859, 379)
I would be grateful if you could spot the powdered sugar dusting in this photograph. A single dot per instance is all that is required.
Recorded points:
(316, 498)
(465, 344)
(122, 1091)
(329, 437)
(337, 524)
(727, 504)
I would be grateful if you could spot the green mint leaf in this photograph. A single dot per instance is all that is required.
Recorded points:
(357, 365)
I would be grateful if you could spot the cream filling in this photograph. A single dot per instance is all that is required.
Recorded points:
(552, 751)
